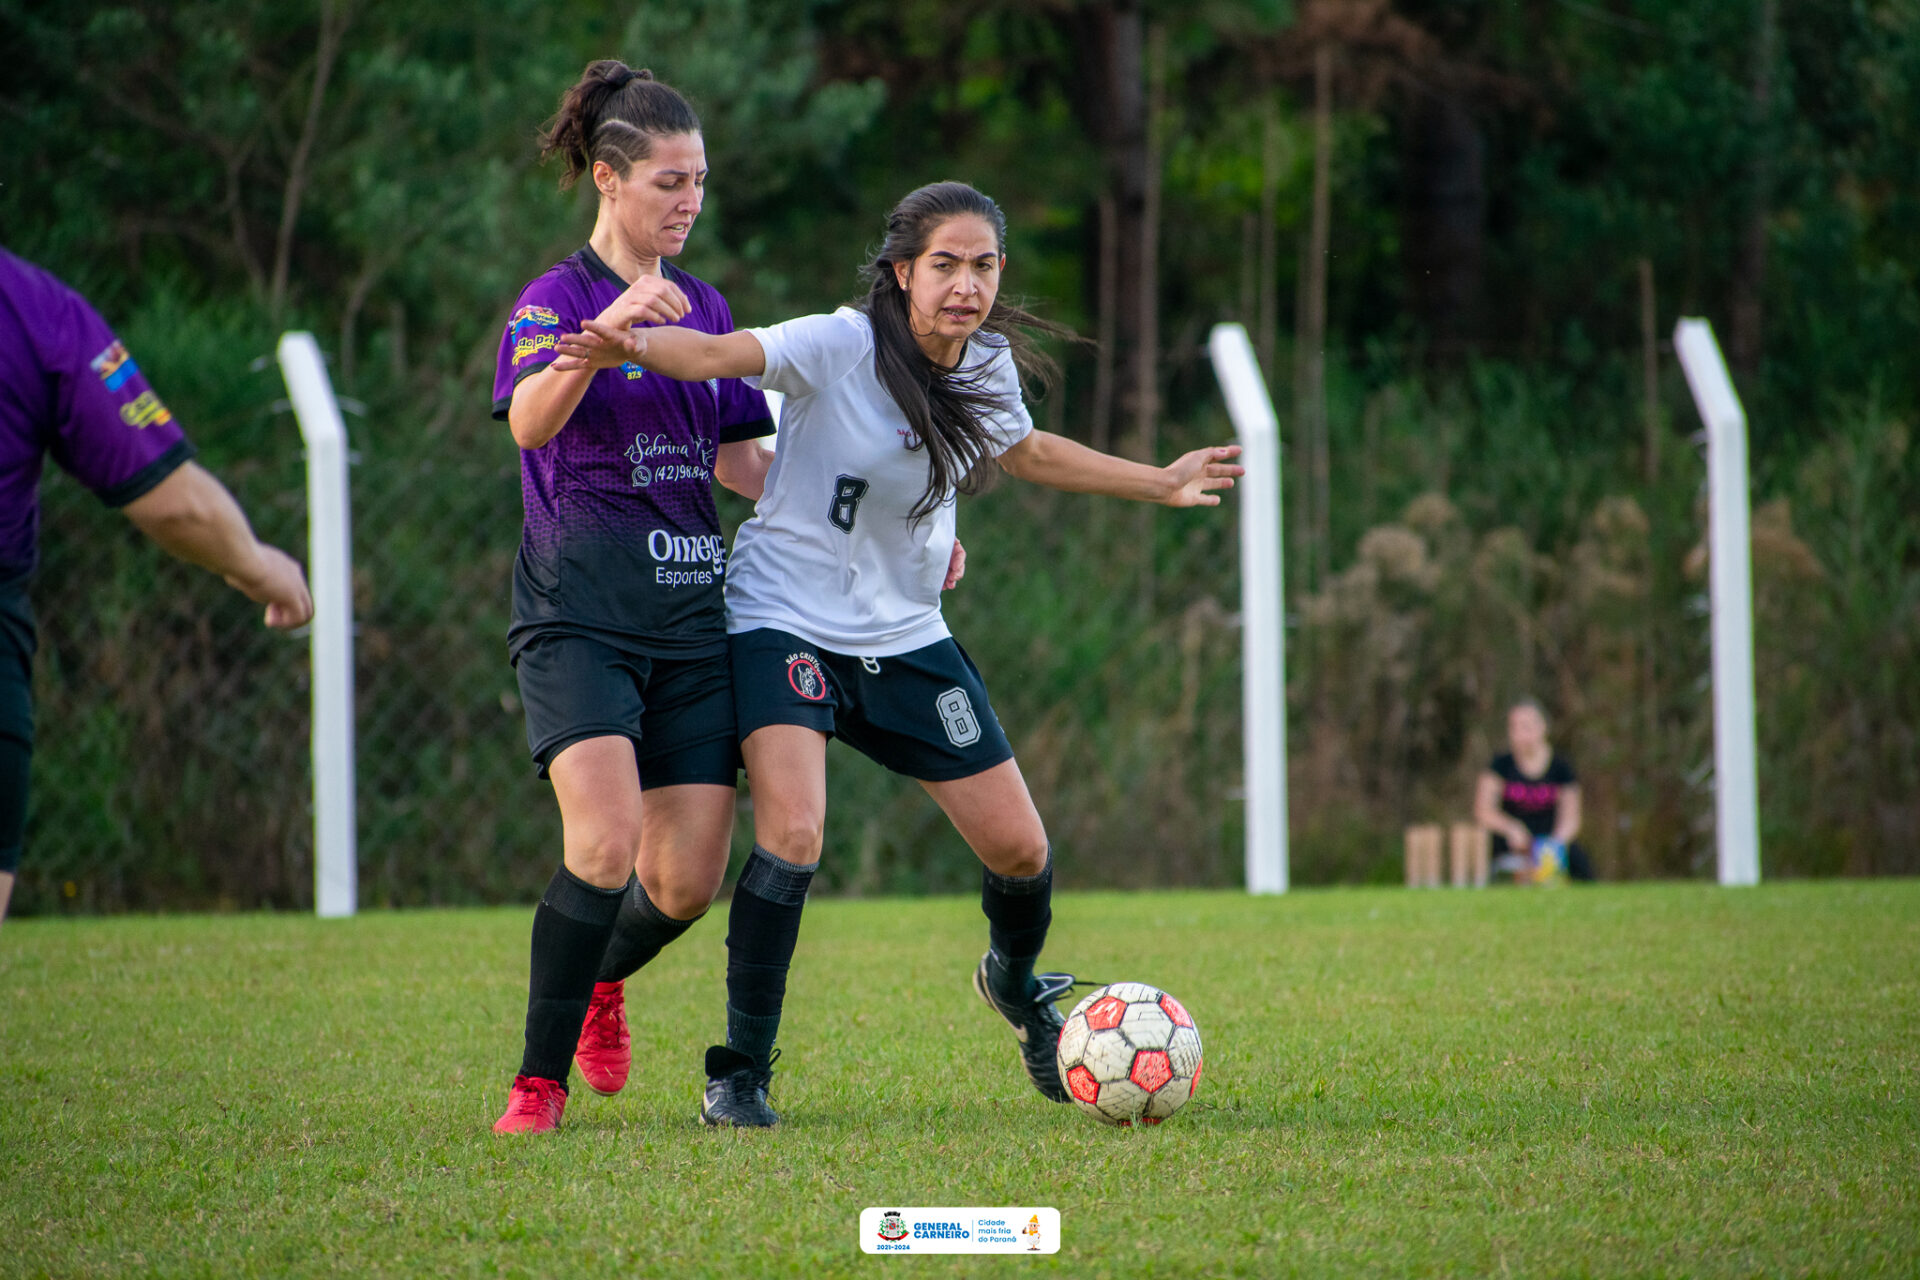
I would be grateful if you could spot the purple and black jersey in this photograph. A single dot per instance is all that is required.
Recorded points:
(622, 540)
(69, 388)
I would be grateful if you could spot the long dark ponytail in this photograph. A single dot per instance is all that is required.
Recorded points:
(946, 408)
(613, 113)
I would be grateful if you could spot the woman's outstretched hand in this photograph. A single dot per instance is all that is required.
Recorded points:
(598, 345)
(1192, 477)
(609, 339)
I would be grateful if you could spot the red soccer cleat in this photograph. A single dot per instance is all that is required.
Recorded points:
(534, 1106)
(605, 1052)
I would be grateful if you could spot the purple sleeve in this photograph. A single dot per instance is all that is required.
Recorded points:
(744, 414)
(110, 430)
(546, 310)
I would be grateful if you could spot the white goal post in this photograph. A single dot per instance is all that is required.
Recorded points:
(1730, 591)
(1262, 608)
(1736, 799)
(329, 572)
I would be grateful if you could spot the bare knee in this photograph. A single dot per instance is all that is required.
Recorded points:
(1027, 857)
(681, 898)
(681, 880)
(794, 835)
(603, 856)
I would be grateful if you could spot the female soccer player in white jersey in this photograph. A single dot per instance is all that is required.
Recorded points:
(833, 597)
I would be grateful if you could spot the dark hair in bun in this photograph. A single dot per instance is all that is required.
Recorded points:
(613, 114)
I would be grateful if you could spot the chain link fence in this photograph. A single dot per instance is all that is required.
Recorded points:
(172, 762)
(172, 765)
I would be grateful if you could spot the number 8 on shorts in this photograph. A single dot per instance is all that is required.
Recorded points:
(956, 713)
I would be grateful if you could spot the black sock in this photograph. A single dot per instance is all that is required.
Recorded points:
(570, 931)
(763, 925)
(640, 932)
(1018, 910)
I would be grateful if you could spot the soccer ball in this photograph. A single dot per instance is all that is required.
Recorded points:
(1130, 1052)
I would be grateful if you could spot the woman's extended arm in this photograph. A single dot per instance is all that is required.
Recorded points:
(192, 516)
(546, 398)
(1060, 463)
(685, 354)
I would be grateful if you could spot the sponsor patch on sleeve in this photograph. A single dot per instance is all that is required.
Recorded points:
(534, 317)
(525, 348)
(115, 366)
(145, 410)
(534, 329)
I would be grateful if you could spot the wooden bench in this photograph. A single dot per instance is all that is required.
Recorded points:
(1466, 846)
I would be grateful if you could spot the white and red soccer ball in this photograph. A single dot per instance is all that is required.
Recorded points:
(1130, 1052)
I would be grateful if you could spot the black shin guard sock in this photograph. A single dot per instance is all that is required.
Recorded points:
(763, 925)
(1018, 909)
(640, 932)
(752, 1036)
(570, 931)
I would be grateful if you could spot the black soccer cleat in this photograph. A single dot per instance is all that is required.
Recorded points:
(1035, 1022)
(737, 1087)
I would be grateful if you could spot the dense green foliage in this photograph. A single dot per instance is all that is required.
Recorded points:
(1669, 1080)
(1499, 517)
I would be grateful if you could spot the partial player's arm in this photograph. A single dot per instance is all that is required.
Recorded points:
(545, 399)
(956, 566)
(686, 354)
(1059, 463)
(192, 516)
(742, 467)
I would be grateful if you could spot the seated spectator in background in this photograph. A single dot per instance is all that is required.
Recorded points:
(1529, 799)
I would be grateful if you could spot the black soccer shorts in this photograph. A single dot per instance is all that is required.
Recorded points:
(16, 722)
(924, 713)
(677, 711)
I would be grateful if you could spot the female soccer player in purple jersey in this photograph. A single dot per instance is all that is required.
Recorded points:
(618, 635)
(833, 599)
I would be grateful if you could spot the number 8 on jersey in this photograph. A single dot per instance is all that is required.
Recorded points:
(847, 492)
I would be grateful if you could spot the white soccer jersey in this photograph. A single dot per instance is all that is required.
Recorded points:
(830, 553)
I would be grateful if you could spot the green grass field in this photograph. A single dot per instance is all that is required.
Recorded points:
(1656, 1080)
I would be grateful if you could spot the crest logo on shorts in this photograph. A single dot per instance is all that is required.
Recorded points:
(804, 674)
